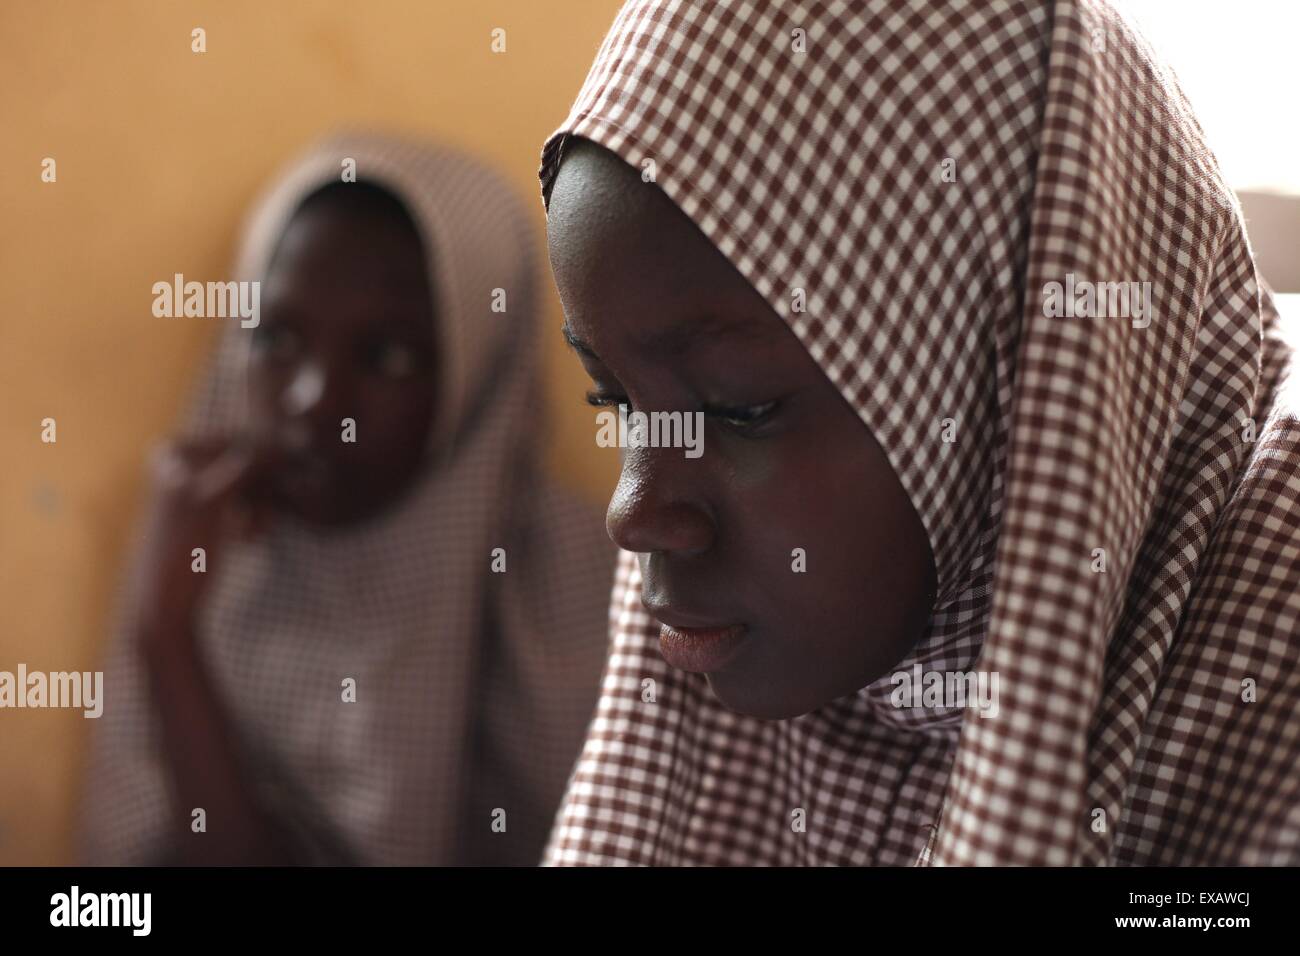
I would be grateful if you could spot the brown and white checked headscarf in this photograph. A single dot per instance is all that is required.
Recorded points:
(472, 688)
(1148, 713)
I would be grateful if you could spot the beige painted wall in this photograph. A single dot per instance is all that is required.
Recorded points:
(159, 151)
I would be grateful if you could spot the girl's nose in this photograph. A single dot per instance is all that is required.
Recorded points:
(657, 507)
(318, 396)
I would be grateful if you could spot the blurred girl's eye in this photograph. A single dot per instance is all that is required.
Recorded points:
(393, 359)
(277, 341)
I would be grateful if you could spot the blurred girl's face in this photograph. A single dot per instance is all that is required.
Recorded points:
(663, 322)
(347, 332)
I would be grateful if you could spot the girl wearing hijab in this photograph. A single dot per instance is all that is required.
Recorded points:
(842, 231)
(395, 647)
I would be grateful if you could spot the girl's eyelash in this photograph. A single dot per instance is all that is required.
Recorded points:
(742, 416)
(735, 416)
(604, 401)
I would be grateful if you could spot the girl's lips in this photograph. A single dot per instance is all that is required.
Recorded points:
(701, 650)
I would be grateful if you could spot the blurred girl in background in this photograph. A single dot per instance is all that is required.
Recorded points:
(396, 644)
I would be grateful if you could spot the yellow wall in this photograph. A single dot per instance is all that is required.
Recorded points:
(159, 152)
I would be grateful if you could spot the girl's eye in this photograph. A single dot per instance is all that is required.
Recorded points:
(598, 400)
(742, 417)
(392, 359)
(277, 340)
(737, 417)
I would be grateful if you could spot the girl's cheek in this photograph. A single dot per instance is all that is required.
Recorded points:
(750, 466)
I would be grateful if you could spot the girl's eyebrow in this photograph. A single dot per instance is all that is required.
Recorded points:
(675, 339)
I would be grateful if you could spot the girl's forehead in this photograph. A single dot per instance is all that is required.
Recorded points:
(328, 274)
(341, 242)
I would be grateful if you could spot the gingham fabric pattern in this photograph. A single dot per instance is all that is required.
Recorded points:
(473, 687)
(1115, 523)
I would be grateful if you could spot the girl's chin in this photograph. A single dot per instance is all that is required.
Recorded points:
(749, 698)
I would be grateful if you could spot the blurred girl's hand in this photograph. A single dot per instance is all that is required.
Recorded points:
(204, 493)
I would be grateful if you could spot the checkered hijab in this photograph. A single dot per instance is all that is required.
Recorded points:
(1115, 522)
(473, 688)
